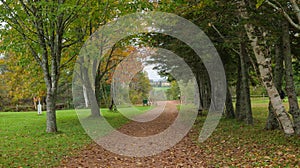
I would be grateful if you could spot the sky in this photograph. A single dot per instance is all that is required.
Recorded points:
(152, 74)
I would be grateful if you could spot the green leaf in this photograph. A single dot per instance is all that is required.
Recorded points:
(259, 3)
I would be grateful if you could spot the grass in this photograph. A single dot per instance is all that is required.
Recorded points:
(235, 144)
(264, 100)
(161, 88)
(24, 142)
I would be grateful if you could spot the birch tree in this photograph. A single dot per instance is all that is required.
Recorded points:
(272, 122)
(264, 65)
(291, 12)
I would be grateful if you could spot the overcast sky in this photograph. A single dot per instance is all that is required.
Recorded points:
(152, 74)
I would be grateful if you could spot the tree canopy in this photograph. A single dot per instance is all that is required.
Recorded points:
(40, 41)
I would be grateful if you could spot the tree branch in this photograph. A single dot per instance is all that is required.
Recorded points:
(280, 9)
(20, 30)
(72, 43)
(68, 61)
(296, 9)
(223, 37)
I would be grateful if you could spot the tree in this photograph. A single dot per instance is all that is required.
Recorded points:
(284, 8)
(265, 71)
(128, 82)
(139, 88)
(21, 78)
(173, 91)
(272, 122)
(47, 29)
(243, 104)
(290, 87)
(229, 110)
(165, 65)
(106, 69)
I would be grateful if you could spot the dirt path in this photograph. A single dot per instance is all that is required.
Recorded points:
(184, 154)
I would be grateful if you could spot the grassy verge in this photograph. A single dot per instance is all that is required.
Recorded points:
(235, 144)
(161, 88)
(24, 142)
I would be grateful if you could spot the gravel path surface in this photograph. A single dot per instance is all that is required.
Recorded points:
(184, 154)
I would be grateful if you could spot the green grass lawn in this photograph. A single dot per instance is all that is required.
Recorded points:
(24, 142)
(161, 88)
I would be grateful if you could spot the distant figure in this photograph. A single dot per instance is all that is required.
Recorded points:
(281, 94)
(35, 100)
(39, 108)
(150, 102)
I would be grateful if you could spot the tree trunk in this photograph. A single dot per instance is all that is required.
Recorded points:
(112, 106)
(51, 113)
(272, 122)
(203, 85)
(265, 72)
(205, 89)
(98, 86)
(85, 96)
(95, 110)
(238, 91)
(290, 87)
(199, 84)
(245, 113)
(200, 87)
(229, 110)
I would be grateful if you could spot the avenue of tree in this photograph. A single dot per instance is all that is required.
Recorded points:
(258, 42)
